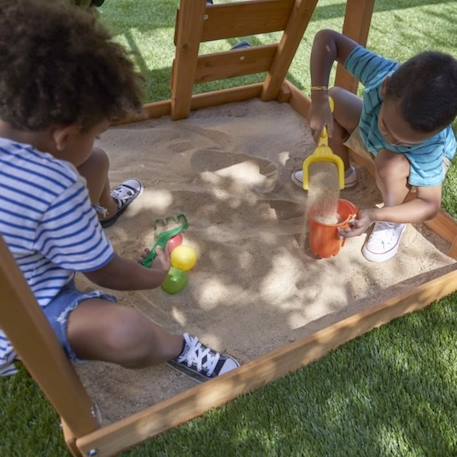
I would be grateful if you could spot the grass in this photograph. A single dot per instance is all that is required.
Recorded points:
(392, 392)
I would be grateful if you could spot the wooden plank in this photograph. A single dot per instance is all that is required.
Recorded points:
(285, 94)
(189, 31)
(239, 62)
(240, 19)
(220, 97)
(196, 401)
(298, 100)
(28, 329)
(70, 440)
(446, 227)
(356, 25)
(150, 111)
(293, 34)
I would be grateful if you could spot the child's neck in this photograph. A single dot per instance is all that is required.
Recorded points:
(40, 140)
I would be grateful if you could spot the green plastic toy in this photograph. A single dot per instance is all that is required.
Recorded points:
(164, 237)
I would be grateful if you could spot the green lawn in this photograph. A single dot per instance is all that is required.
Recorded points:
(392, 392)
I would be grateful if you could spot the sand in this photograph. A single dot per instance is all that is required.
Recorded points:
(256, 286)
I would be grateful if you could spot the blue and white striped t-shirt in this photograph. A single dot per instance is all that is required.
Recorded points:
(47, 222)
(426, 159)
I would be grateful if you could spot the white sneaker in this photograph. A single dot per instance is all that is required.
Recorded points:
(350, 178)
(383, 242)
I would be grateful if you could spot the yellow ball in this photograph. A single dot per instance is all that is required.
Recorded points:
(184, 258)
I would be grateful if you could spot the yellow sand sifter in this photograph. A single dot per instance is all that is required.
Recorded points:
(323, 153)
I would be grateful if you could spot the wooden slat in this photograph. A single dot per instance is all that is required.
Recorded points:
(298, 100)
(293, 34)
(245, 18)
(189, 31)
(30, 332)
(356, 26)
(446, 227)
(234, 63)
(196, 401)
(220, 97)
(150, 111)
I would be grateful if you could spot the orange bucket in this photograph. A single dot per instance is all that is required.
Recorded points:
(324, 239)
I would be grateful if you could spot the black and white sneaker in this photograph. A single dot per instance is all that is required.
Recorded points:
(123, 195)
(201, 362)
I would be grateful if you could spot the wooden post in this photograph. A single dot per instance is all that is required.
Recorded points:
(188, 36)
(298, 21)
(356, 25)
(34, 341)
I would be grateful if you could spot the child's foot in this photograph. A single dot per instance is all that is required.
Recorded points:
(123, 195)
(350, 178)
(201, 362)
(383, 242)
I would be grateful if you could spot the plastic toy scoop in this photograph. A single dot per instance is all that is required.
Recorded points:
(323, 153)
(165, 236)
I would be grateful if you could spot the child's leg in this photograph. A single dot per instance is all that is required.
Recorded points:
(346, 117)
(95, 170)
(100, 330)
(392, 171)
(114, 201)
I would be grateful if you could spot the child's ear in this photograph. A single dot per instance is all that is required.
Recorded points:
(63, 135)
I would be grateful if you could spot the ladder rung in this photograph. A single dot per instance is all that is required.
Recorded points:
(234, 63)
(245, 18)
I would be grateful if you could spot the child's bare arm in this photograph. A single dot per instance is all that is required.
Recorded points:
(329, 46)
(424, 207)
(124, 274)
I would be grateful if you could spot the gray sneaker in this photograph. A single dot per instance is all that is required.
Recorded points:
(201, 362)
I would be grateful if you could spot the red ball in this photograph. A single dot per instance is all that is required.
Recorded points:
(174, 243)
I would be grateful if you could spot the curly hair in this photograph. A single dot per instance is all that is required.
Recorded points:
(426, 86)
(58, 66)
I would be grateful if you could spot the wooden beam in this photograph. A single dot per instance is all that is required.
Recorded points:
(150, 111)
(298, 100)
(356, 25)
(189, 32)
(293, 34)
(36, 344)
(240, 19)
(220, 97)
(196, 401)
(234, 63)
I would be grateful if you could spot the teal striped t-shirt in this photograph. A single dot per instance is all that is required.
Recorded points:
(426, 159)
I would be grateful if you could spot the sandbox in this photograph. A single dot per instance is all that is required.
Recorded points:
(256, 287)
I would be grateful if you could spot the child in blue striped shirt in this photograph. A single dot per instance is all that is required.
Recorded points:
(402, 124)
(62, 81)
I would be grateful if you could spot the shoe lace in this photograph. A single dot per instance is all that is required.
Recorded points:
(384, 233)
(199, 355)
(121, 194)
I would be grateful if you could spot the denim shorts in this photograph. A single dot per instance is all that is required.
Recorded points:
(58, 311)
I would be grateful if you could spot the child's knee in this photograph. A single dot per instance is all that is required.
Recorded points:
(98, 160)
(127, 336)
(392, 166)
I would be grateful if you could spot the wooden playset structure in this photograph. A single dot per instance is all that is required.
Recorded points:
(33, 338)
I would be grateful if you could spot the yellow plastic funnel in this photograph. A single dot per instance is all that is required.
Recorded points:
(323, 153)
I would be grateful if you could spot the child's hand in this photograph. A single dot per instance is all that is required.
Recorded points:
(360, 224)
(320, 116)
(161, 264)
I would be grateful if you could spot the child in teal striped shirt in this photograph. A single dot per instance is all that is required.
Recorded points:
(402, 124)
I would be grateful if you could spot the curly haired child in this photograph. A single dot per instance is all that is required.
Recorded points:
(62, 81)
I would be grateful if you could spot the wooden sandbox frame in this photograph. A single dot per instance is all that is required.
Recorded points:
(34, 340)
